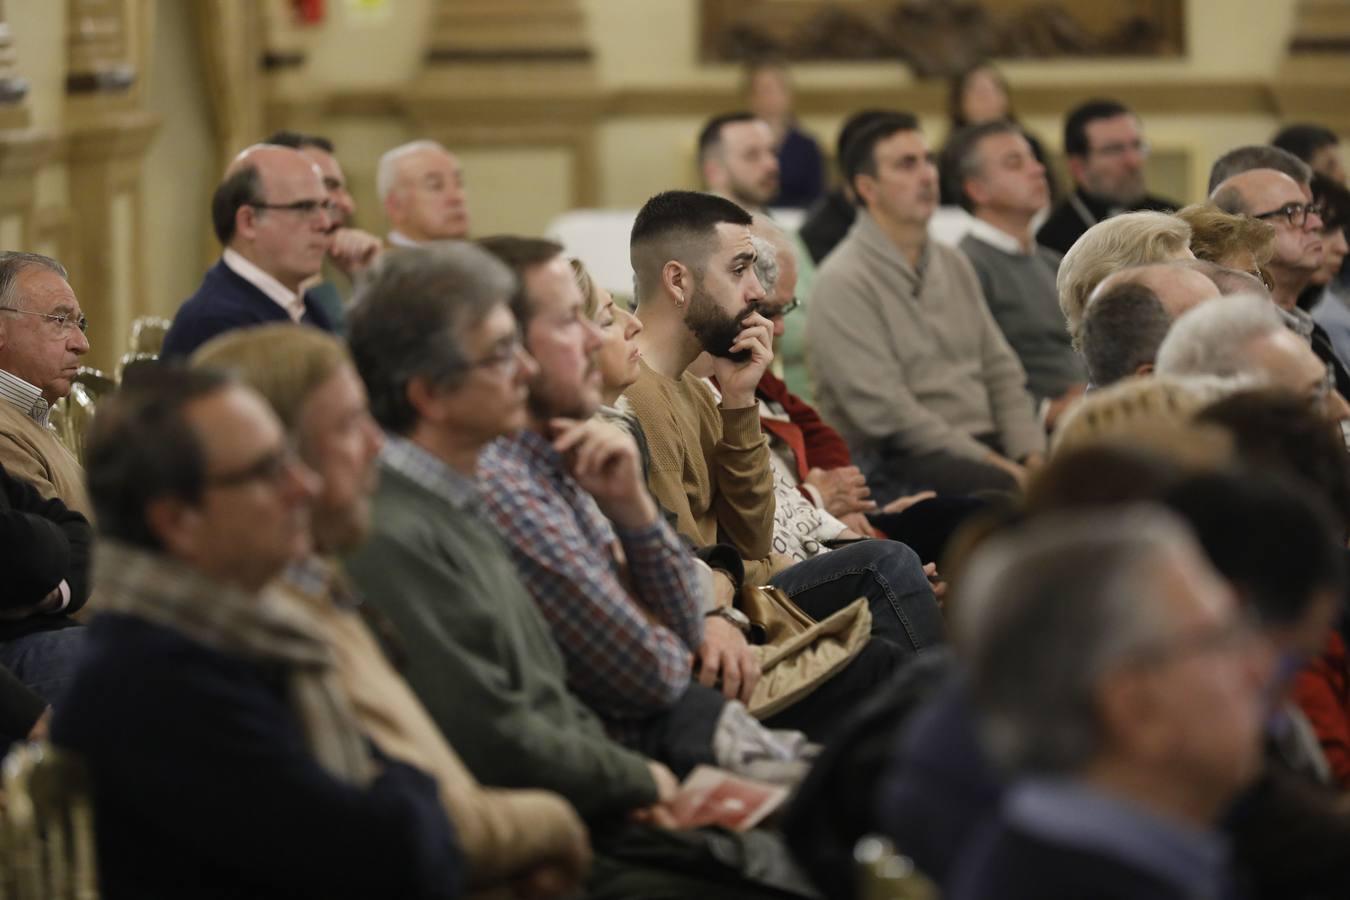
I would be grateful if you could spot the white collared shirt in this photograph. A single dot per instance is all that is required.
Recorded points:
(399, 239)
(287, 299)
(998, 238)
(24, 397)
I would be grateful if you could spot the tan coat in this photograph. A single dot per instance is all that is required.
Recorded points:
(31, 451)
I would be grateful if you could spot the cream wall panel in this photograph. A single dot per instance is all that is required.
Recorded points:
(39, 29)
(516, 190)
(11, 232)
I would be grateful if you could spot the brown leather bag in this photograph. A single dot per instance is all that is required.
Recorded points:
(799, 654)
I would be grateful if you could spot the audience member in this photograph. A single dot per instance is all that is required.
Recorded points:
(1326, 297)
(1243, 335)
(696, 251)
(1275, 197)
(1113, 679)
(1105, 150)
(350, 250)
(1121, 332)
(1129, 239)
(977, 95)
(42, 337)
(1256, 156)
(1316, 145)
(1228, 281)
(1003, 186)
(47, 549)
(1137, 411)
(224, 758)
(271, 214)
(528, 838)
(801, 168)
(1180, 285)
(1230, 240)
(737, 161)
(830, 219)
(911, 367)
(437, 346)
(421, 187)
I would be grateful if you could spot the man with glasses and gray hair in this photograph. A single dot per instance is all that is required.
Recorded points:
(273, 216)
(1116, 683)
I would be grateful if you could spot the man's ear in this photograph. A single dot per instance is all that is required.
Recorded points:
(425, 397)
(713, 172)
(678, 281)
(245, 221)
(1144, 369)
(392, 206)
(174, 523)
(865, 186)
(974, 190)
(1077, 167)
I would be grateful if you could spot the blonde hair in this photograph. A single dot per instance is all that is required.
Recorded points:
(284, 362)
(1129, 239)
(590, 291)
(1217, 236)
(1148, 411)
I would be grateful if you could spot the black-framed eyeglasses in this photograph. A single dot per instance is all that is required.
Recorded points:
(64, 321)
(777, 312)
(269, 469)
(303, 207)
(1295, 213)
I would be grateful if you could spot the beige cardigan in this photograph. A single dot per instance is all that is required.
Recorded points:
(913, 362)
(709, 466)
(503, 833)
(32, 451)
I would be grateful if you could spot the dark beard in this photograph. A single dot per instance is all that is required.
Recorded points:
(716, 331)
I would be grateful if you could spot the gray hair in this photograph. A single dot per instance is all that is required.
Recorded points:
(14, 263)
(1044, 613)
(1213, 338)
(386, 172)
(409, 318)
(766, 263)
(1257, 156)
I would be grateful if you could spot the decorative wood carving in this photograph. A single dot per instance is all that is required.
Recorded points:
(939, 37)
(13, 87)
(508, 31)
(97, 48)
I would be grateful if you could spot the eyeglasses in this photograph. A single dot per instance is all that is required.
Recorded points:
(504, 358)
(1296, 213)
(1140, 147)
(64, 321)
(1226, 637)
(269, 469)
(305, 208)
(770, 312)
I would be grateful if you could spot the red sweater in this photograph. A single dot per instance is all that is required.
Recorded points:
(825, 449)
(1322, 691)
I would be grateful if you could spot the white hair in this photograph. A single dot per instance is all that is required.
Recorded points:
(386, 173)
(1214, 337)
(766, 263)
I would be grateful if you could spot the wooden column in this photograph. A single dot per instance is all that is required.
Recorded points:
(23, 150)
(107, 136)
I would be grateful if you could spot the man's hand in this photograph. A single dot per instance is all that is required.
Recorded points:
(1061, 405)
(935, 581)
(667, 786)
(843, 490)
(858, 523)
(724, 653)
(738, 380)
(39, 730)
(1033, 462)
(900, 504)
(724, 589)
(999, 461)
(564, 869)
(353, 251)
(605, 461)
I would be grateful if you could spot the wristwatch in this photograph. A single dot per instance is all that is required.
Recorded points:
(734, 616)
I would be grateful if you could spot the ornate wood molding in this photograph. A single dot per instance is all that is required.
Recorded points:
(97, 48)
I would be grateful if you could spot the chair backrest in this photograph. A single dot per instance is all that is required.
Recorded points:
(130, 361)
(147, 334)
(48, 826)
(884, 874)
(71, 415)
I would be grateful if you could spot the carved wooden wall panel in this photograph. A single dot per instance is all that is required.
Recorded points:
(939, 37)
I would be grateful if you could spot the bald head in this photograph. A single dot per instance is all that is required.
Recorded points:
(421, 185)
(1251, 193)
(1177, 286)
(1282, 202)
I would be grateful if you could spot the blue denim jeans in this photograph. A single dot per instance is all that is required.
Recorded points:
(45, 661)
(888, 574)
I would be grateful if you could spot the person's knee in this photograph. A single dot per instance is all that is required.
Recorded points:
(893, 562)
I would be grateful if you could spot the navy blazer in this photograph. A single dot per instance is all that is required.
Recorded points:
(227, 301)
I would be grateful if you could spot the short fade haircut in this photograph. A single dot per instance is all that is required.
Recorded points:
(1256, 156)
(409, 318)
(299, 140)
(1217, 234)
(1122, 330)
(852, 127)
(1213, 338)
(961, 157)
(386, 171)
(860, 153)
(1075, 126)
(14, 263)
(1049, 609)
(1304, 139)
(677, 225)
(520, 255)
(141, 448)
(283, 361)
(1129, 239)
(710, 137)
(241, 188)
